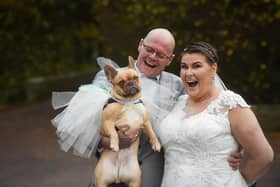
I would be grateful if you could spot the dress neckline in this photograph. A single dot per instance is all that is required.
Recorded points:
(203, 110)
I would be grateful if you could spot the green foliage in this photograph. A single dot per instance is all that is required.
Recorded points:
(41, 38)
(54, 37)
(246, 34)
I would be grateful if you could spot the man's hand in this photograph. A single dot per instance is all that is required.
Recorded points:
(127, 140)
(235, 159)
(124, 140)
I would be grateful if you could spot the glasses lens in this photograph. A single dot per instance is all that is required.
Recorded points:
(152, 51)
(149, 49)
(161, 55)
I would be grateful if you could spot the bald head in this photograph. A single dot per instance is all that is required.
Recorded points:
(155, 52)
(162, 36)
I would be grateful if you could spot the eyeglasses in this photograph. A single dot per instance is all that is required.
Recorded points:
(158, 54)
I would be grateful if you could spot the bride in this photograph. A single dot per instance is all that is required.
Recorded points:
(208, 124)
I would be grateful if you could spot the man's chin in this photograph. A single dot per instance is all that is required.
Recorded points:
(149, 74)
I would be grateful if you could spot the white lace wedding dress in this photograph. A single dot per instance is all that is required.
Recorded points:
(197, 146)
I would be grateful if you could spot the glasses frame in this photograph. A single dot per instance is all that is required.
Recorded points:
(158, 54)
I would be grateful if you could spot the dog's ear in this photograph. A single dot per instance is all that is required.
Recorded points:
(131, 62)
(110, 72)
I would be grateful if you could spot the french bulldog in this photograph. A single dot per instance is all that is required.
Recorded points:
(121, 165)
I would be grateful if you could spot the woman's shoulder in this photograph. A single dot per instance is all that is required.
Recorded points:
(181, 100)
(183, 97)
(231, 99)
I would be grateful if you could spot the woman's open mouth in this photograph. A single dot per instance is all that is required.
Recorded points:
(192, 84)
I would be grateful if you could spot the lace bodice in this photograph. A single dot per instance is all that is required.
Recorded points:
(197, 146)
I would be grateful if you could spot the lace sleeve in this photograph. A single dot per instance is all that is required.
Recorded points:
(232, 100)
(226, 101)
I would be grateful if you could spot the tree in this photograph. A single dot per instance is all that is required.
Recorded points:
(50, 37)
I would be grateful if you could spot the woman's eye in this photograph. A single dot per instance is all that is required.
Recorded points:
(183, 66)
(196, 66)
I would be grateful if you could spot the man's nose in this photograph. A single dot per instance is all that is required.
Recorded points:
(153, 54)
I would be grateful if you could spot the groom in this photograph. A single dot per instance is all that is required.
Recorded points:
(155, 53)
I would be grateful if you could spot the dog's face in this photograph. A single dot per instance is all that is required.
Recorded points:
(126, 83)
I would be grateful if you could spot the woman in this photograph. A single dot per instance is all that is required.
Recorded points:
(208, 124)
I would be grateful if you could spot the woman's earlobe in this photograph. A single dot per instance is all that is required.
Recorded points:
(215, 67)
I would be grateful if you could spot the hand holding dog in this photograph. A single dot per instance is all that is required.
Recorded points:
(125, 140)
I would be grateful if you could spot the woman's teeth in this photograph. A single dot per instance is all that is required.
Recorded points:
(192, 83)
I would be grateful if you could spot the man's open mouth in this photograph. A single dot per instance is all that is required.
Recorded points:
(150, 64)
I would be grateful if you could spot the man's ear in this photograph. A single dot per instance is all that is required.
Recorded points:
(170, 59)
(140, 45)
(110, 72)
(131, 62)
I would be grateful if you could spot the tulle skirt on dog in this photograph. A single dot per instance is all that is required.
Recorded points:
(77, 125)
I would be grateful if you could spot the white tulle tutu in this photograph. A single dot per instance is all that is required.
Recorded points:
(78, 124)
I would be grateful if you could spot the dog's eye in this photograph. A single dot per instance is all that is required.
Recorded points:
(121, 83)
(135, 78)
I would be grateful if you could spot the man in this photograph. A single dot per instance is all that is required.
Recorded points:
(155, 53)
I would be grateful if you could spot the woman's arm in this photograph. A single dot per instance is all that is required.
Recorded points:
(247, 131)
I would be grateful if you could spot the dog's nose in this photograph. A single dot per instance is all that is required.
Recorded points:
(130, 84)
(133, 90)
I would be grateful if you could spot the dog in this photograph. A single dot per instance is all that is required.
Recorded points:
(121, 165)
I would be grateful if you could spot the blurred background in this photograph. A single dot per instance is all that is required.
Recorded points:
(52, 45)
(44, 40)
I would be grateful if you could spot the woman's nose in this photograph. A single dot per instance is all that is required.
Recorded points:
(188, 71)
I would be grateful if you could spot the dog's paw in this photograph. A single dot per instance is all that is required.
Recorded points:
(114, 146)
(156, 146)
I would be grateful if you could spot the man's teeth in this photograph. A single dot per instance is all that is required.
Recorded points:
(150, 64)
